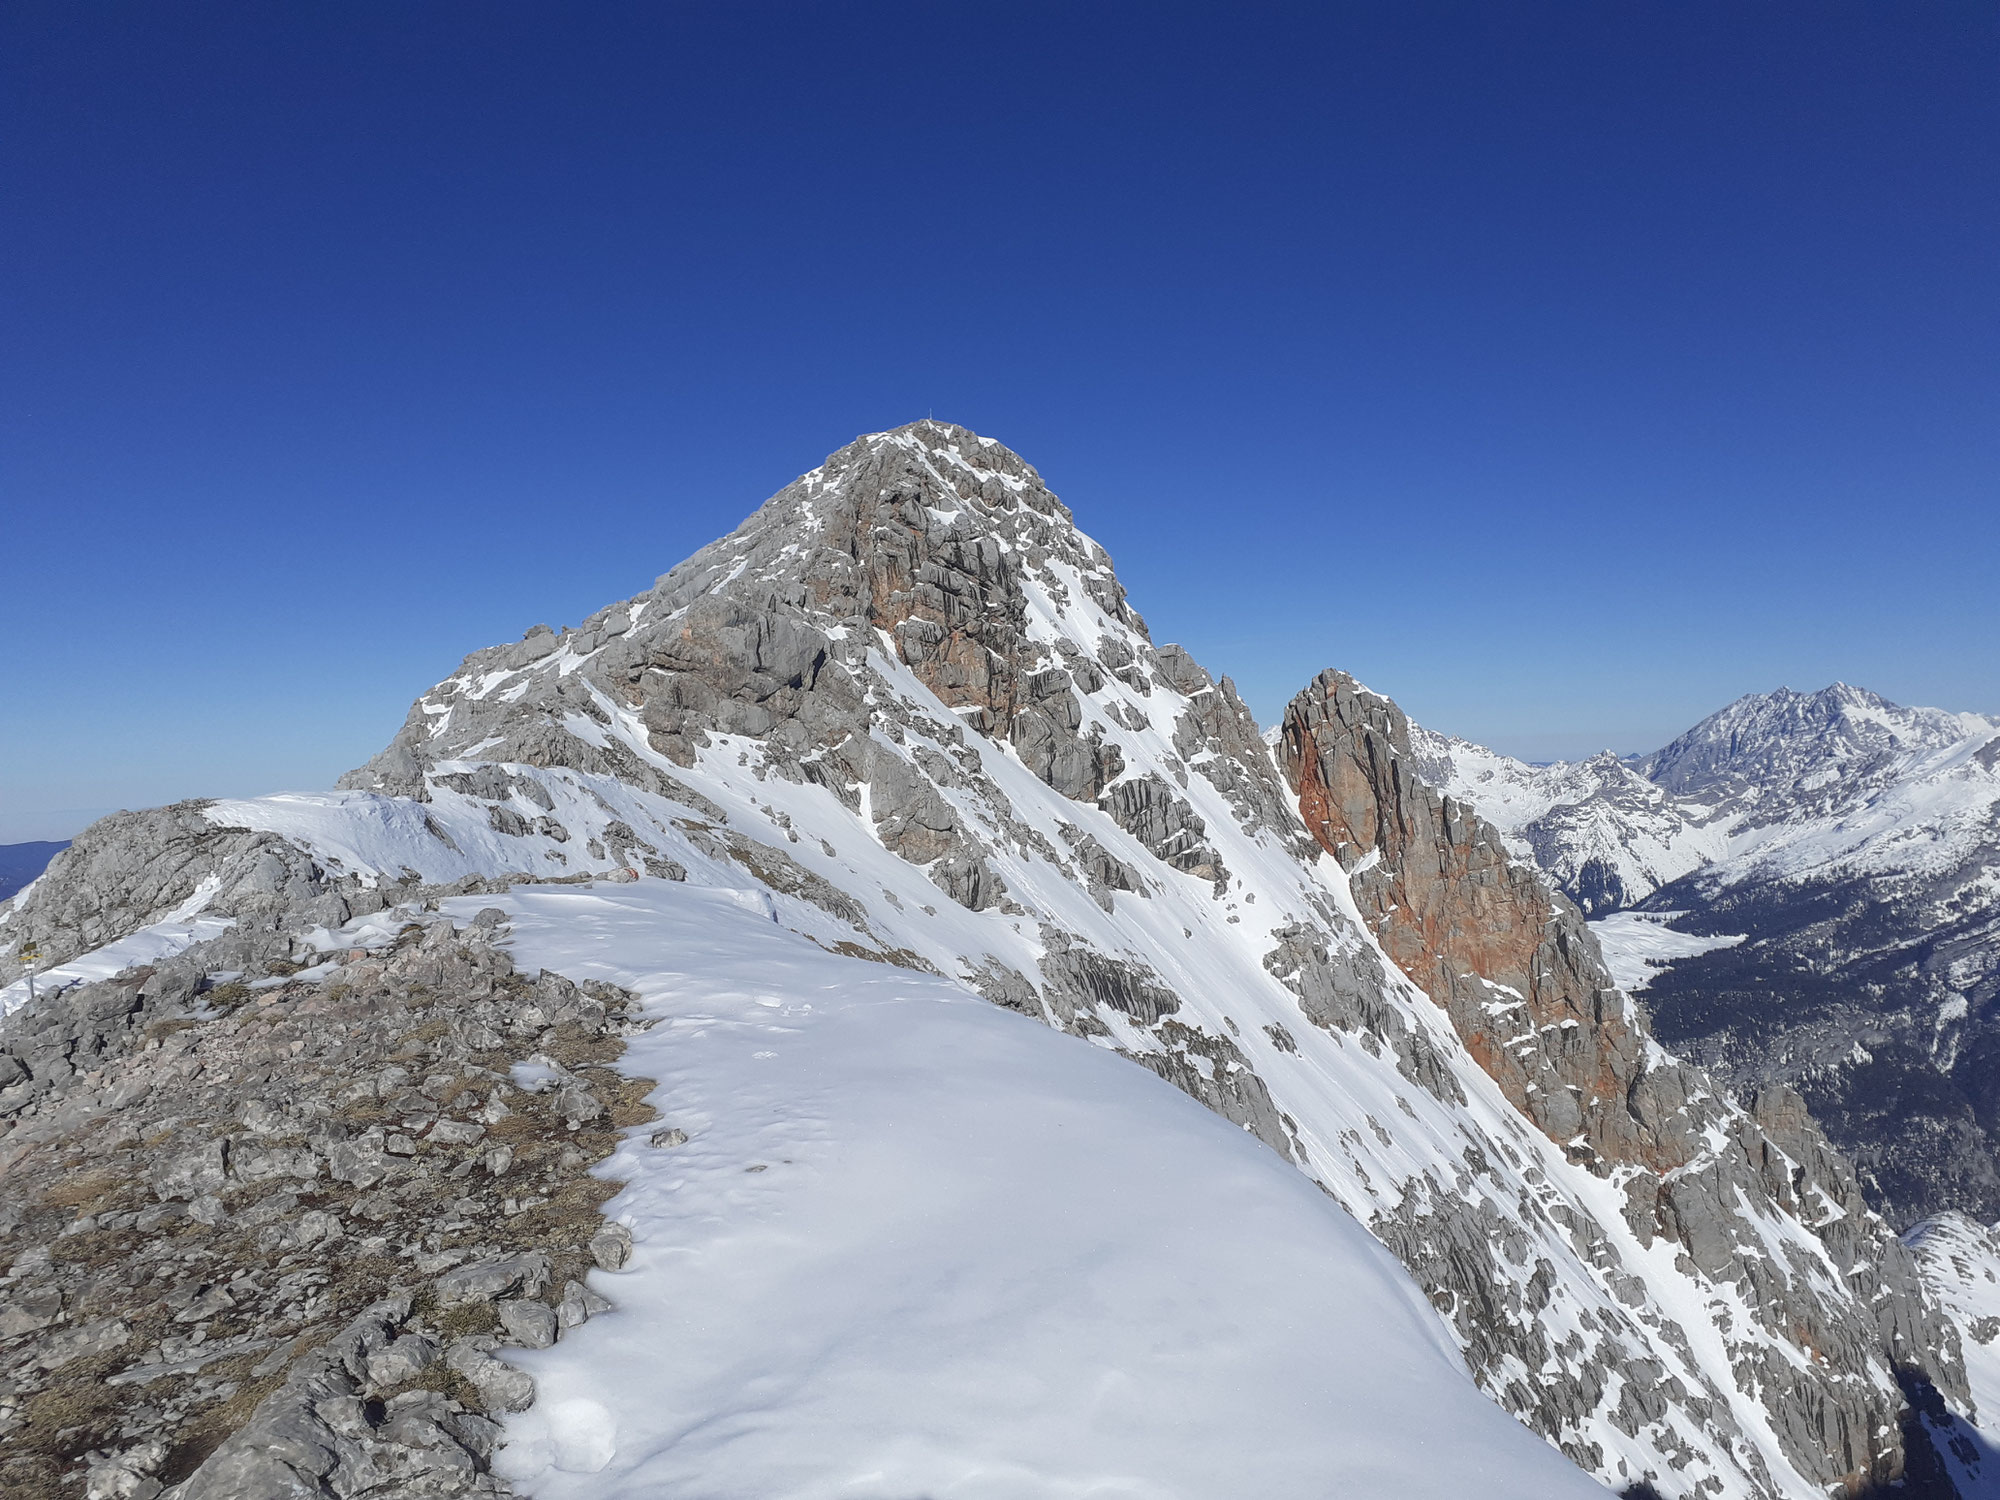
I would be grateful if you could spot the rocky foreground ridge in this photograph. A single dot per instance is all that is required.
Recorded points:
(266, 1233)
(910, 701)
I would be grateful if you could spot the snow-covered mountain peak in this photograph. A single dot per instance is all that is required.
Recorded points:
(942, 547)
(1776, 782)
(906, 712)
(1777, 748)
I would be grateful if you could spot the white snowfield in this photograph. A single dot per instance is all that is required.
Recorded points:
(1638, 944)
(1338, 1097)
(920, 1246)
(1961, 1265)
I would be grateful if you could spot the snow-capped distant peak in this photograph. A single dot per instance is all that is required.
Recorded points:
(1780, 781)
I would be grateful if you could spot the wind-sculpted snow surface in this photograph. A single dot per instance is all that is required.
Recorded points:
(914, 1243)
(908, 706)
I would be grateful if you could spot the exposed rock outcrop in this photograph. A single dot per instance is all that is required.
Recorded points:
(271, 1235)
(135, 868)
(932, 543)
(1841, 856)
(1510, 960)
(1512, 963)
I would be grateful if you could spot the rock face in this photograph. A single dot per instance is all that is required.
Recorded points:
(133, 869)
(1848, 850)
(935, 543)
(1512, 963)
(907, 710)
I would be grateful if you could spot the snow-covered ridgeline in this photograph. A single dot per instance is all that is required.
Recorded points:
(1362, 1130)
(918, 1243)
(1343, 1105)
(1121, 860)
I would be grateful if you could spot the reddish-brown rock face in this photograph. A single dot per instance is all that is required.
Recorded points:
(1509, 961)
(1515, 968)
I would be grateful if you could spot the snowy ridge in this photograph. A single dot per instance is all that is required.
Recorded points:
(1170, 1309)
(1342, 1098)
(908, 705)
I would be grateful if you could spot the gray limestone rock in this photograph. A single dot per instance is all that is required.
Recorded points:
(1006, 987)
(611, 1246)
(528, 1323)
(1147, 808)
(132, 869)
(578, 1306)
(400, 1361)
(1214, 1070)
(787, 647)
(501, 1387)
(969, 881)
(488, 1280)
(1346, 989)
(1102, 871)
(1084, 980)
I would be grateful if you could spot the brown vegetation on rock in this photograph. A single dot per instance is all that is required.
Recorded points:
(236, 1220)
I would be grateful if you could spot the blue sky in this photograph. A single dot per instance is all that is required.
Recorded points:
(1563, 370)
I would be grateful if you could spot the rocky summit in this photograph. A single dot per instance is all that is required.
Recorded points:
(907, 712)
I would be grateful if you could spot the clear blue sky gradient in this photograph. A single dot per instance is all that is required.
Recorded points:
(1564, 370)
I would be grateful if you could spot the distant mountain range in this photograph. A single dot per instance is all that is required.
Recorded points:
(21, 863)
(1818, 876)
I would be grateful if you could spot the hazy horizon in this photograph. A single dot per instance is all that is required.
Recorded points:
(1565, 373)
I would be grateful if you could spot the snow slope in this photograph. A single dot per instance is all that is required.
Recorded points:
(1379, 1146)
(918, 1245)
(1638, 944)
(1960, 1260)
